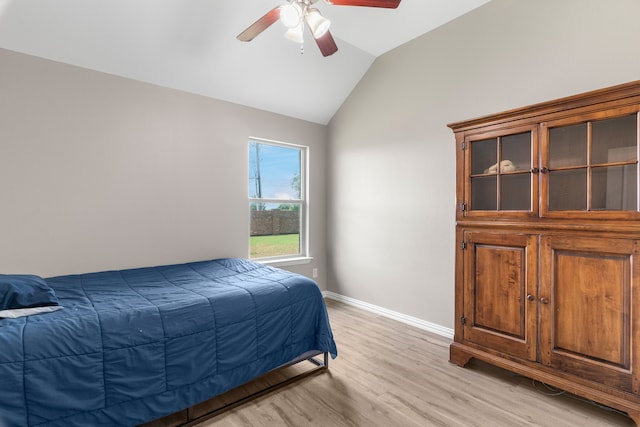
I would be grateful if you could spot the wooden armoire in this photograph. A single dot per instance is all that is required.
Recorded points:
(548, 244)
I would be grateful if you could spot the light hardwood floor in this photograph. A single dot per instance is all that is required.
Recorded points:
(390, 374)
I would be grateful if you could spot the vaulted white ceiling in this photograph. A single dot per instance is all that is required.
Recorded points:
(191, 45)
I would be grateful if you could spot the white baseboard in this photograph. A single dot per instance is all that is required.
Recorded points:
(409, 320)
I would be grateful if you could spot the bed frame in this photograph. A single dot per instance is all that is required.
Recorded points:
(196, 414)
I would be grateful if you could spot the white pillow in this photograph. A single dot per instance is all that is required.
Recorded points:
(20, 312)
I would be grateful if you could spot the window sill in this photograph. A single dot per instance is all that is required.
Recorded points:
(284, 262)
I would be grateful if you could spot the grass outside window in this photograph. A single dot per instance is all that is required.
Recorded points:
(276, 245)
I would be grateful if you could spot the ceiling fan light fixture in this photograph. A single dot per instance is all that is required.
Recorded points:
(318, 24)
(291, 15)
(296, 34)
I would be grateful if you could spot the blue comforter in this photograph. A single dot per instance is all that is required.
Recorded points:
(133, 345)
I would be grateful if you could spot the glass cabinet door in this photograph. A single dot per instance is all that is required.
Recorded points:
(592, 166)
(500, 177)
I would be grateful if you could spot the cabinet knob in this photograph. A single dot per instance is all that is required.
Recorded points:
(535, 170)
(531, 297)
(544, 170)
(544, 300)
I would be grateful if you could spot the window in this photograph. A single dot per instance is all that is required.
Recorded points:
(277, 200)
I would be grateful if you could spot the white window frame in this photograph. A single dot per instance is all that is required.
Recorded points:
(290, 259)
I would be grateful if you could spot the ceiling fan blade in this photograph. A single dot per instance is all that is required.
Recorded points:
(327, 44)
(260, 25)
(389, 4)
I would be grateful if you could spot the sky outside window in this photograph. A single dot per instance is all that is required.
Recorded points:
(273, 172)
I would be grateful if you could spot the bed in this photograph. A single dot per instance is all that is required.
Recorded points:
(131, 346)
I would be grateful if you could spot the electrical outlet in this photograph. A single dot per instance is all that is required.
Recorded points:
(314, 273)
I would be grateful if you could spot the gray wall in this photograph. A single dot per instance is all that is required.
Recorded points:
(391, 155)
(100, 172)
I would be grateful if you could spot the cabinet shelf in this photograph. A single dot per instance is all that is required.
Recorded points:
(501, 173)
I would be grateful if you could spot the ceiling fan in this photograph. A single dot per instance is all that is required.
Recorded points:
(298, 14)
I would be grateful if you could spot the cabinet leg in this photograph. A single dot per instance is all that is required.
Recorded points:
(458, 356)
(635, 416)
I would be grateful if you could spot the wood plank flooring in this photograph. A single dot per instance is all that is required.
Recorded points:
(389, 374)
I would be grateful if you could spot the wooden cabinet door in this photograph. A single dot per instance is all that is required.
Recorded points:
(590, 165)
(500, 292)
(588, 298)
(499, 176)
